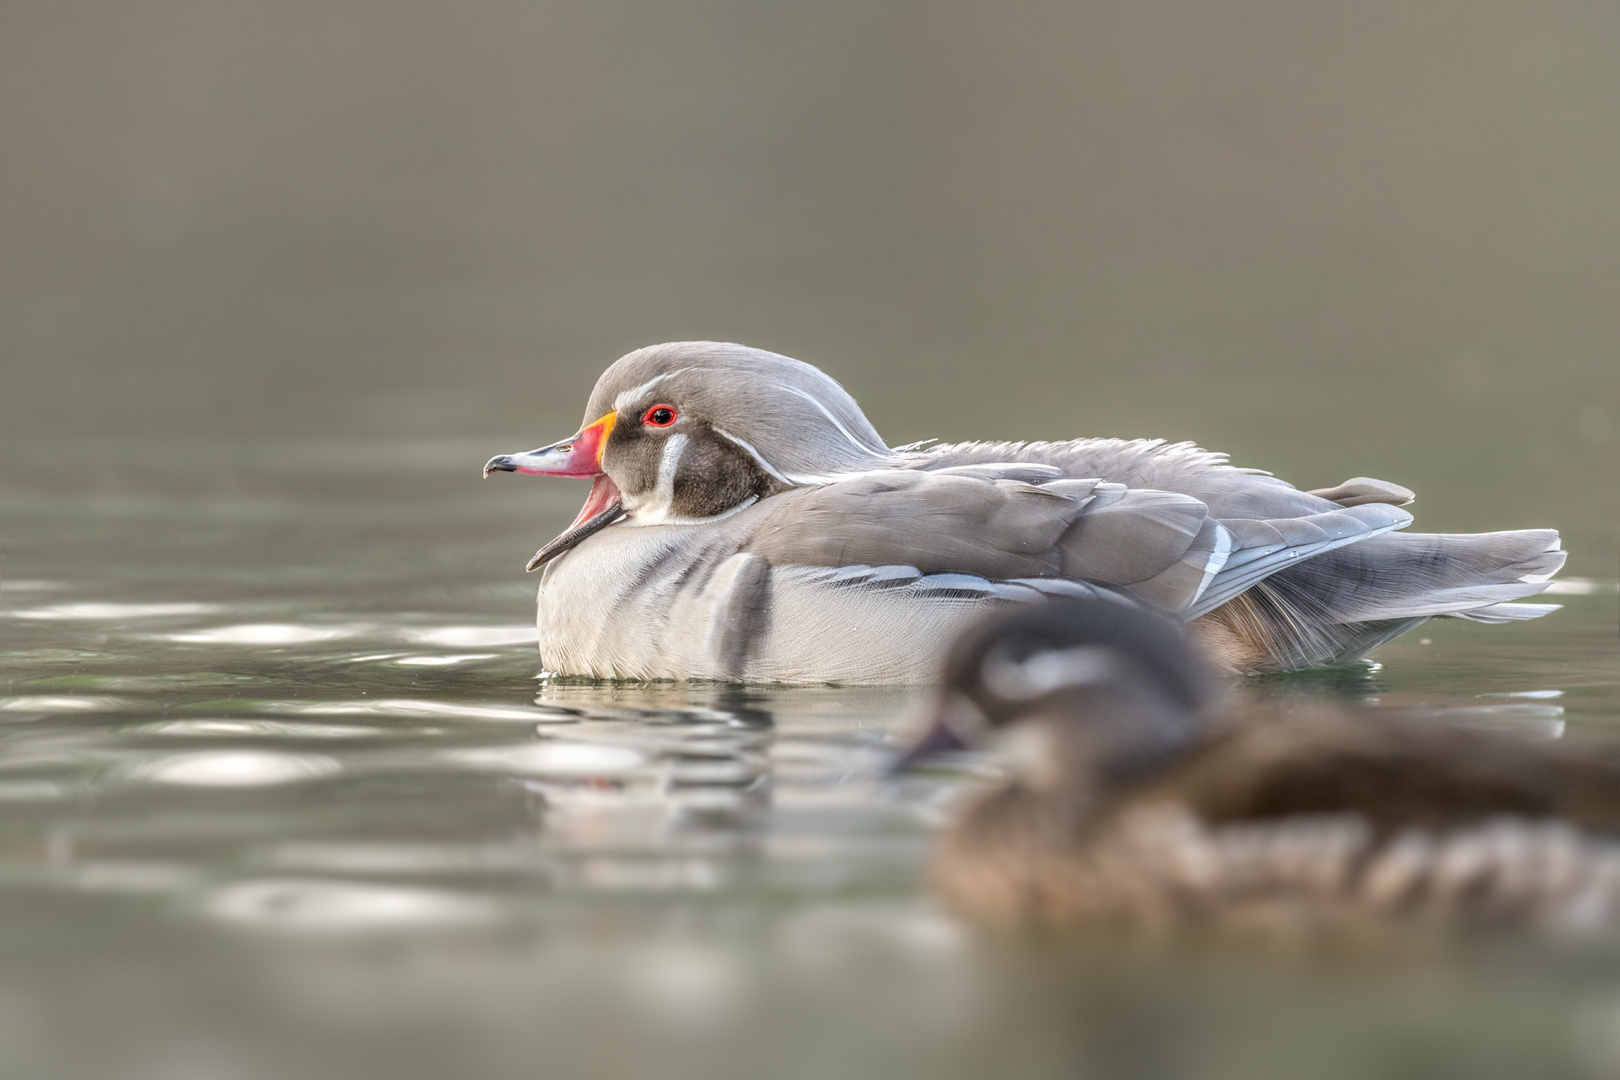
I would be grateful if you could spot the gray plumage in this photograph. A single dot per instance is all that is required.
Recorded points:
(862, 560)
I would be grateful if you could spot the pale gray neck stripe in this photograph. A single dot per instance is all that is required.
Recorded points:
(749, 449)
(842, 430)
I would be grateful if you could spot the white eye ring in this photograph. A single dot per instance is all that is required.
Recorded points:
(1041, 673)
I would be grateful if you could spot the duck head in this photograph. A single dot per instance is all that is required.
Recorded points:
(696, 430)
(1098, 691)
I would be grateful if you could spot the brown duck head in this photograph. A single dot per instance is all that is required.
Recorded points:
(1087, 691)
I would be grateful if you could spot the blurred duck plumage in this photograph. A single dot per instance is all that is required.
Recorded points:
(747, 523)
(1130, 802)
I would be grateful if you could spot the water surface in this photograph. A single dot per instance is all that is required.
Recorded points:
(283, 792)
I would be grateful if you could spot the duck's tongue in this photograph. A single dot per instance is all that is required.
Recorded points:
(602, 508)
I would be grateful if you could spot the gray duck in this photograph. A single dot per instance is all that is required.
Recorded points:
(747, 523)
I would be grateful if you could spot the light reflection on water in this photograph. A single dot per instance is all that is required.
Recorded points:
(45, 705)
(236, 801)
(107, 612)
(302, 906)
(266, 634)
(232, 768)
(408, 707)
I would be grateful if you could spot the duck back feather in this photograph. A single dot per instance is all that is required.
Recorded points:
(1279, 578)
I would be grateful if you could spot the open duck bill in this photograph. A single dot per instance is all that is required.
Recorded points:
(580, 455)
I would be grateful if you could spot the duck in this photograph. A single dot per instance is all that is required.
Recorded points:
(747, 523)
(1133, 796)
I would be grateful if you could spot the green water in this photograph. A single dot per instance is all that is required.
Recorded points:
(281, 793)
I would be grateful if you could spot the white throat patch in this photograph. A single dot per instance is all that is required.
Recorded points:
(657, 506)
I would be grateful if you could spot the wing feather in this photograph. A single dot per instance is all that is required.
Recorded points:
(1284, 542)
(962, 522)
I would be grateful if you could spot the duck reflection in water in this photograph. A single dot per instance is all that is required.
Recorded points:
(676, 769)
(1130, 800)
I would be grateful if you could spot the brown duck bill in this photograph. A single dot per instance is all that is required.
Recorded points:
(946, 717)
(580, 456)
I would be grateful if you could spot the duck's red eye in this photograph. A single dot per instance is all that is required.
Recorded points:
(659, 416)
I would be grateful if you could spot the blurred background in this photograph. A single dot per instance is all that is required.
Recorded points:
(1333, 240)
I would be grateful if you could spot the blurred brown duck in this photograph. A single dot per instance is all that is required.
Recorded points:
(1129, 802)
(746, 522)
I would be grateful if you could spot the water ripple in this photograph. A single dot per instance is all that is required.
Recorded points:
(30, 585)
(263, 728)
(112, 611)
(342, 907)
(18, 791)
(353, 858)
(556, 759)
(1546, 721)
(59, 704)
(474, 637)
(414, 707)
(233, 768)
(128, 876)
(445, 660)
(266, 634)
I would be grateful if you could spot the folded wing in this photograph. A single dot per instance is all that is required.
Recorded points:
(1012, 522)
(1319, 580)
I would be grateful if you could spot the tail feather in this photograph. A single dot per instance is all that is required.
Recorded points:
(1502, 613)
(1336, 607)
(1405, 575)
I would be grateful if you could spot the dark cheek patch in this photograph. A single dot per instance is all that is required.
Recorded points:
(715, 475)
(632, 458)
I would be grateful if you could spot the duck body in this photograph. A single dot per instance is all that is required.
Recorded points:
(732, 616)
(1330, 822)
(747, 523)
(769, 595)
(1131, 800)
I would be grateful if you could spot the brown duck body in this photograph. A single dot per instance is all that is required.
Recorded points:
(1330, 819)
(1128, 801)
